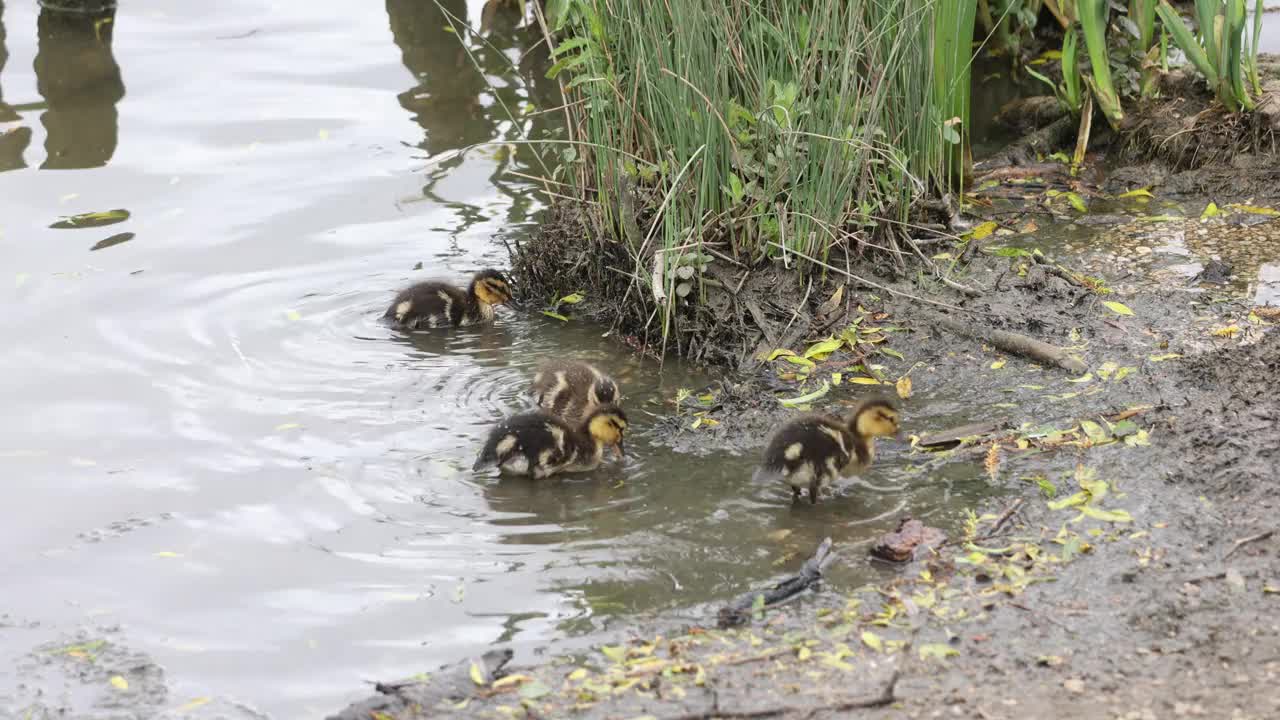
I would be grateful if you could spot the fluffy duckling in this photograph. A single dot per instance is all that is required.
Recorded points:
(439, 304)
(571, 389)
(540, 444)
(813, 450)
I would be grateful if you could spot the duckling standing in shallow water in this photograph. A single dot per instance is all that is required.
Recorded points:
(571, 389)
(539, 444)
(439, 304)
(813, 450)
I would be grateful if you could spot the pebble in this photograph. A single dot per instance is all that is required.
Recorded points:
(1142, 250)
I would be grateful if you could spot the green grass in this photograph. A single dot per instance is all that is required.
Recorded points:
(1219, 49)
(776, 127)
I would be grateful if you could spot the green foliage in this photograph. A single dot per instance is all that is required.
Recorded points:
(792, 125)
(1217, 50)
(1070, 92)
(1094, 16)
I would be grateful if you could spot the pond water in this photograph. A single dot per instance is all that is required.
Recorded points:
(208, 439)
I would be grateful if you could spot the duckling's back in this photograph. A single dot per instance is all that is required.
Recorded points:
(807, 446)
(428, 304)
(571, 389)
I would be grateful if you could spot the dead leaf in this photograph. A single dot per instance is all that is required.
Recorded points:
(1117, 307)
(903, 387)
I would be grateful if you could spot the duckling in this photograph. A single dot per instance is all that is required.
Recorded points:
(438, 304)
(540, 444)
(572, 388)
(813, 450)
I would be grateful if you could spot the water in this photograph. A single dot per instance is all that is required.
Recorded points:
(209, 440)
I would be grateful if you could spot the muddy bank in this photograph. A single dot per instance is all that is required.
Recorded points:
(1129, 574)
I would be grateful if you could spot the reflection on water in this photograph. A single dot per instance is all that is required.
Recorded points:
(79, 79)
(210, 439)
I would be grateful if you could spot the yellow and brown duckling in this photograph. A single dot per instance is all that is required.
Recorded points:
(571, 389)
(539, 444)
(435, 303)
(811, 451)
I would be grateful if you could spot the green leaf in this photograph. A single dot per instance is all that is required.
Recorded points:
(1140, 192)
(806, 399)
(91, 219)
(1077, 202)
(780, 352)
(573, 299)
(1210, 210)
(1079, 498)
(555, 315)
(983, 231)
(892, 353)
(937, 651)
(616, 653)
(822, 349)
(1117, 307)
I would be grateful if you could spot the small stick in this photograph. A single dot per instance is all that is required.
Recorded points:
(1012, 342)
(1004, 518)
(1251, 539)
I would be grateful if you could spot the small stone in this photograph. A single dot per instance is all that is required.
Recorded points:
(1075, 685)
(1235, 580)
(1142, 250)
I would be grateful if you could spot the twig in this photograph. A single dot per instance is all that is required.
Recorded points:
(1004, 518)
(886, 696)
(1251, 539)
(1015, 343)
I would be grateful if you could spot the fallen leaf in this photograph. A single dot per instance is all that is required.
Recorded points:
(863, 380)
(983, 230)
(1117, 308)
(194, 703)
(534, 690)
(573, 299)
(937, 651)
(477, 674)
(892, 353)
(91, 219)
(292, 315)
(872, 641)
(998, 364)
(805, 399)
(1094, 431)
(822, 349)
(616, 653)
(903, 386)
(510, 680)
(578, 674)
(119, 683)
(837, 378)
(1255, 210)
(168, 554)
(287, 426)
(803, 654)
(1228, 331)
(1162, 358)
(1210, 210)
(1121, 516)
(1077, 202)
(1140, 192)
(555, 315)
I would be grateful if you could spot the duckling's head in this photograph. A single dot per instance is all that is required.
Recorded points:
(491, 287)
(605, 391)
(606, 425)
(876, 417)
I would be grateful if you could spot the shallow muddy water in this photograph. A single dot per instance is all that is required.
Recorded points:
(210, 441)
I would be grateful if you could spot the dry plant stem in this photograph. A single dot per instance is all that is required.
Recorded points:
(1245, 541)
(875, 285)
(941, 275)
(885, 697)
(1012, 342)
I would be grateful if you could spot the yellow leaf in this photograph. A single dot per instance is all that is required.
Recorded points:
(1140, 192)
(1117, 308)
(937, 651)
(780, 352)
(616, 653)
(903, 387)
(1077, 202)
(1162, 358)
(700, 677)
(293, 314)
(836, 378)
(167, 554)
(578, 674)
(804, 654)
(998, 364)
(195, 703)
(1210, 210)
(1227, 331)
(862, 380)
(872, 641)
(797, 360)
(477, 675)
(510, 680)
(1087, 377)
(1255, 210)
(573, 299)
(287, 426)
(984, 230)
(119, 683)
(1121, 516)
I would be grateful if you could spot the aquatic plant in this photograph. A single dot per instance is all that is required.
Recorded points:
(785, 129)
(1217, 49)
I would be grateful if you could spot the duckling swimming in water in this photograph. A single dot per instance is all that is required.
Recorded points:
(813, 450)
(439, 304)
(540, 444)
(570, 389)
